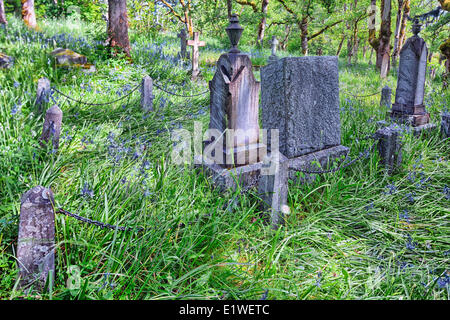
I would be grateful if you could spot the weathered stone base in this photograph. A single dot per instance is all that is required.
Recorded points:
(224, 178)
(417, 131)
(413, 120)
(309, 162)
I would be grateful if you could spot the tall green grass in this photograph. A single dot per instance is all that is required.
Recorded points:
(347, 236)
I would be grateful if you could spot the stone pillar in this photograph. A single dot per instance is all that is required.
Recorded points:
(42, 93)
(183, 36)
(273, 189)
(36, 241)
(386, 97)
(147, 94)
(390, 147)
(445, 125)
(52, 127)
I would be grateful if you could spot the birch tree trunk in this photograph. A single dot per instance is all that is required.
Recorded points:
(28, 14)
(2, 13)
(262, 24)
(118, 26)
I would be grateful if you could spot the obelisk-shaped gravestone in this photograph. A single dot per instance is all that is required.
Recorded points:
(234, 105)
(408, 107)
(183, 36)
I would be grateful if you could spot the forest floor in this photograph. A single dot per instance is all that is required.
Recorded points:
(355, 234)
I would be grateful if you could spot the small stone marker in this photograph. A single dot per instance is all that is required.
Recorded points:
(147, 94)
(386, 97)
(273, 57)
(42, 93)
(390, 147)
(52, 127)
(183, 36)
(36, 241)
(6, 61)
(445, 125)
(273, 188)
(195, 54)
(408, 107)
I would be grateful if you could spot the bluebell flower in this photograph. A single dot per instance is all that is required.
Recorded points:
(86, 192)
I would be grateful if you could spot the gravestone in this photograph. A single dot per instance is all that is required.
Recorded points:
(52, 127)
(42, 93)
(409, 105)
(386, 97)
(390, 147)
(273, 57)
(445, 125)
(6, 62)
(69, 58)
(147, 94)
(183, 36)
(300, 98)
(36, 240)
(195, 43)
(233, 152)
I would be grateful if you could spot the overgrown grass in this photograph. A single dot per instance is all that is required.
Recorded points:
(356, 234)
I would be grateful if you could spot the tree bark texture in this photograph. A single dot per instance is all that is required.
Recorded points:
(118, 26)
(28, 14)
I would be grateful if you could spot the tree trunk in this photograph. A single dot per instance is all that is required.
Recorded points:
(340, 46)
(355, 50)
(28, 14)
(304, 35)
(229, 8)
(384, 49)
(118, 26)
(2, 13)
(349, 51)
(397, 32)
(262, 24)
(287, 30)
(402, 33)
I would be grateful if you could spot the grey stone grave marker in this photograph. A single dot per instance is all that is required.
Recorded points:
(273, 57)
(445, 125)
(409, 105)
(183, 36)
(42, 93)
(52, 127)
(36, 241)
(386, 97)
(147, 94)
(390, 147)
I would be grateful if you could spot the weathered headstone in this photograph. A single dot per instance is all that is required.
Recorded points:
(36, 241)
(52, 127)
(445, 125)
(409, 107)
(69, 58)
(195, 43)
(390, 147)
(147, 94)
(183, 36)
(234, 107)
(42, 93)
(300, 98)
(273, 188)
(6, 61)
(273, 57)
(386, 97)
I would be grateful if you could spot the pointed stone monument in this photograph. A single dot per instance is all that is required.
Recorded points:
(409, 105)
(183, 36)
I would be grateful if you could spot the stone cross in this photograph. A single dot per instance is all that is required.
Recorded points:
(195, 43)
(182, 35)
(36, 241)
(52, 127)
(273, 57)
(408, 107)
(147, 94)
